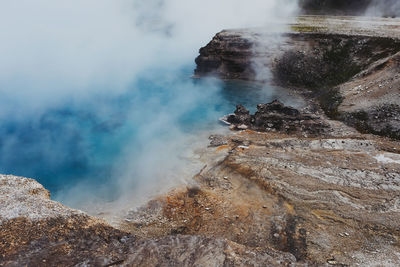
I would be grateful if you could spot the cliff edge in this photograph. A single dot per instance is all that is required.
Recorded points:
(348, 65)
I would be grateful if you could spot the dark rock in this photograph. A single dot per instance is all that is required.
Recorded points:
(386, 8)
(381, 120)
(226, 56)
(334, 7)
(309, 59)
(277, 107)
(370, 101)
(324, 62)
(331, 60)
(275, 116)
(241, 116)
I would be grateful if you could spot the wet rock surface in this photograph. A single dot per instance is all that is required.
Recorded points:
(275, 116)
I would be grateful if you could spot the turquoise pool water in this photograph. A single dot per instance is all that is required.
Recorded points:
(84, 141)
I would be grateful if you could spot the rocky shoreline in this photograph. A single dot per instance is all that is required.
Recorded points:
(36, 231)
(277, 117)
(348, 65)
(318, 186)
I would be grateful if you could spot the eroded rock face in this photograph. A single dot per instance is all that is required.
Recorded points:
(342, 63)
(181, 250)
(226, 56)
(35, 231)
(309, 58)
(275, 116)
(331, 59)
(370, 101)
(324, 200)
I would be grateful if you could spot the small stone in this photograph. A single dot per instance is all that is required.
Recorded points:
(332, 261)
(242, 127)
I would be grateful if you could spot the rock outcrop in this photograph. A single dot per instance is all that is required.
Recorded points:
(340, 62)
(324, 200)
(226, 56)
(371, 100)
(275, 116)
(36, 231)
(316, 51)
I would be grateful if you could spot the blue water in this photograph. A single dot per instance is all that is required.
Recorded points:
(82, 139)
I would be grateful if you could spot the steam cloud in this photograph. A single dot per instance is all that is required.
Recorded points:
(78, 77)
(68, 67)
(387, 8)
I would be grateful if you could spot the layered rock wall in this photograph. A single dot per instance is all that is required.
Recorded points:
(325, 58)
(330, 200)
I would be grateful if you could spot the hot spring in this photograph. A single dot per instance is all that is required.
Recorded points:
(97, 99)
(88, 144)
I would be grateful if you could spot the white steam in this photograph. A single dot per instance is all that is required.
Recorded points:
(386, 8)
(50, 48)
(56, 52)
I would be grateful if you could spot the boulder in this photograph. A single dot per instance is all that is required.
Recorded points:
(275, 116)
